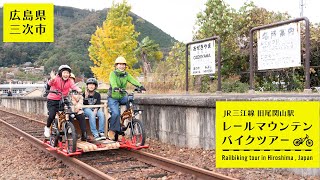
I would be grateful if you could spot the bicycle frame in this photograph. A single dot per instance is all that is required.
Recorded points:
(63, 127)
(64, 115)
(129, 113)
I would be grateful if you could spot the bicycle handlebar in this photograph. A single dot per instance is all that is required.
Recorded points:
(63, 100)
(138, 90)
(57, 93)
(54, 91)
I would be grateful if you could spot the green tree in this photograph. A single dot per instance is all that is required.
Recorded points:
(233, 27)
(149, 52)
(315, 55)
(116, 37)
(174, 68)
(73, 30)
(218, 19)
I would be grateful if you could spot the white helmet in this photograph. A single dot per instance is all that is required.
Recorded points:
(120, 60)
(64, 68)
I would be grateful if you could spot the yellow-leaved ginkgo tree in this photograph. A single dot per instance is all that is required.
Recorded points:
(116, 37)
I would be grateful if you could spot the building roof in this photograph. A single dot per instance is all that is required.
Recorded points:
(103, 86)
(34, 93)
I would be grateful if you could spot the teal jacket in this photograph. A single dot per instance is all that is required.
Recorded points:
(119, 79)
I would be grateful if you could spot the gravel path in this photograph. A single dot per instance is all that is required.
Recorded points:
(20, 160)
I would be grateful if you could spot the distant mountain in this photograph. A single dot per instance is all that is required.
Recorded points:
(73, 30)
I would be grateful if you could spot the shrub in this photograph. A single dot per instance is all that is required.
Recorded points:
(237, 86)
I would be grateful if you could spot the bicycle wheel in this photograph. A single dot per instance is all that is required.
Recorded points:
(138, 135)
(296, 142)
(54, 137)
(70, 137)
(309, 142)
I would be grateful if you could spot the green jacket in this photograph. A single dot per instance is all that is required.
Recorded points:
(119, 79)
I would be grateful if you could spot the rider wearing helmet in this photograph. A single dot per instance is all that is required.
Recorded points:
(77, 101)
(47, 86)
(92, 97)
(61, 83)
(118, 80)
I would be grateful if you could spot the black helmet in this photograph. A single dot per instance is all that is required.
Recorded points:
(64, 68)
(92, 81)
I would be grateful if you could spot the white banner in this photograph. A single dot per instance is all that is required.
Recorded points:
(279, 47)
(202, 58)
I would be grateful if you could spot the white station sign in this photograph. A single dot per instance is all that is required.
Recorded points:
(202, 58)
(279, 47)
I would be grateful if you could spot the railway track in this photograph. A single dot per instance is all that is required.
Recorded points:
(111, 164)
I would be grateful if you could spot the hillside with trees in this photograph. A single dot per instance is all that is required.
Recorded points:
(166, 70)
(73, 30)
(233, 26)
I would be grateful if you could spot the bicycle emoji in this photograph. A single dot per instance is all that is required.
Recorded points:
(299, 141)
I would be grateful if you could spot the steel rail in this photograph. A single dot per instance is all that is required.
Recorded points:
(37, 121)
(164, 163)
(171, 165)
(80, 167)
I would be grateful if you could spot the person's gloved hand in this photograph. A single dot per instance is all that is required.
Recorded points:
(143, 89)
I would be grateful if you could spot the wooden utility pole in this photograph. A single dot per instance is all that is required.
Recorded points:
(302, 6)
